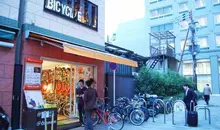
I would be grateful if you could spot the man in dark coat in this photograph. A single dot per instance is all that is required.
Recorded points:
(189, 96)
(79, 94)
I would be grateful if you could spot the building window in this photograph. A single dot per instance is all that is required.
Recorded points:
(203, 42)
(155, 1)
(184, 25)
(215, 2)
(203, 22)
(217, 19)
(183, 6)
(200, 3)
(182, 44)
(162, 28)
(217, 40)
(203, 72)
(161, 12)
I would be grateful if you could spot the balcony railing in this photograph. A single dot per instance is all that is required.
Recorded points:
(165, 50)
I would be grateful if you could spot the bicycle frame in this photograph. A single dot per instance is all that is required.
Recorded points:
(102, 115)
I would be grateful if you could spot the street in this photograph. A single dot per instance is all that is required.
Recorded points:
(179, 120)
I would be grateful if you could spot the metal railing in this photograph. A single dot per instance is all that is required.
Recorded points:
(205, 108)
(164, 109)
(173, 115)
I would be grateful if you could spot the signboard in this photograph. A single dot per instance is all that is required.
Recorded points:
(32, 73)
(80, 11)
(34, 98)
(113, 66)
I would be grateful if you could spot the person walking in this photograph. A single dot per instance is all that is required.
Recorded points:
(189, 97)
(79, 94)
(90, 98)
(206, 93)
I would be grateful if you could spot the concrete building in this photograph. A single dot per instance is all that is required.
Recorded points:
(163, 15)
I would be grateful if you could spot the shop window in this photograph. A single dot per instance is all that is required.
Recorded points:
(200, 3)
(183, 6)
(217, 19)
(59, 82)
(202, 80)
(215, 2)
(217, 39)
(187, 69)
(203, 42)
(203, 22)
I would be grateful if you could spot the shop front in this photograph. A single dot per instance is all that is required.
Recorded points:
(63, 65)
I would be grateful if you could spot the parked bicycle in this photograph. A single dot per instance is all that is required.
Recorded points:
(112, 119)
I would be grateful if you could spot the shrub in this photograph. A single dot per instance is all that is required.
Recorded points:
(163, 84)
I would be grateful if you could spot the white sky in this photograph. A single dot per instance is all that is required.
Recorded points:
(119, 11)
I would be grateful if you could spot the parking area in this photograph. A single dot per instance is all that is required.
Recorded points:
(179, 120)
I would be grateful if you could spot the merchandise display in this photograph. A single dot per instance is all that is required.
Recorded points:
(58, 84)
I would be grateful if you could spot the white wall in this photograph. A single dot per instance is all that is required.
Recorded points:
(9, 8)
(35, 14)
(132, 36)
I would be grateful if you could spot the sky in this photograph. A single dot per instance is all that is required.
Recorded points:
(120, 11)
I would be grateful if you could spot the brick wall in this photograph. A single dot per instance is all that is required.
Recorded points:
(6, 76)
(35, 50)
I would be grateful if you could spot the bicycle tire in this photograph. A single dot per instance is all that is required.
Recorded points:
(117, 109)
(146, 113)
(152, 112)
(115, 121)
(95, 118)
(137, 117)
(169, 108)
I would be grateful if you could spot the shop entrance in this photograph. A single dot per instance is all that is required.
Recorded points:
(59, 84)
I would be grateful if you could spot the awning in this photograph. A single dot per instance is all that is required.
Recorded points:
(7, 34)
(82, 51)
(104, 56)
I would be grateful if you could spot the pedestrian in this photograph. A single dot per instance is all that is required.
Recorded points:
(79, 94)
(206, 93)
(90, 98)
(189, 96)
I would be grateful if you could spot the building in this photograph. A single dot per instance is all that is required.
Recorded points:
(163, 15)
(62, 42)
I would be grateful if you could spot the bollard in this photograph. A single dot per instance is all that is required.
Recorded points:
(173, 120)
(204, 108)
(164, 109)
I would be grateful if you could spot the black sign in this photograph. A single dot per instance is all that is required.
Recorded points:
(80, 11)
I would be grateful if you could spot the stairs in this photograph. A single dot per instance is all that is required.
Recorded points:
(154, 63)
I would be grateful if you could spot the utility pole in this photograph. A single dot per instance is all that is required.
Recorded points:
(192, 27)
(17, 79)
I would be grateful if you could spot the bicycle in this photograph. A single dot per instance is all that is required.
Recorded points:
(113, 119)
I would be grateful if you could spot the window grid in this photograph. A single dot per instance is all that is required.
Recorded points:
(215, 2)
(203, 21)
(161, 12)
(200, 3)
(183, 6)
(217, 40)
(203, 42)
(217, 18)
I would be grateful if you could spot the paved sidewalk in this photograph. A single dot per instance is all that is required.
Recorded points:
(179, 120)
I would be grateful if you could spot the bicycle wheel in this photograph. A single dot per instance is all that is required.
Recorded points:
(115, 121)
(137, 117)
(146, 113)
(95, 118)
(117, 109)
(152, 112)
(168, 108)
